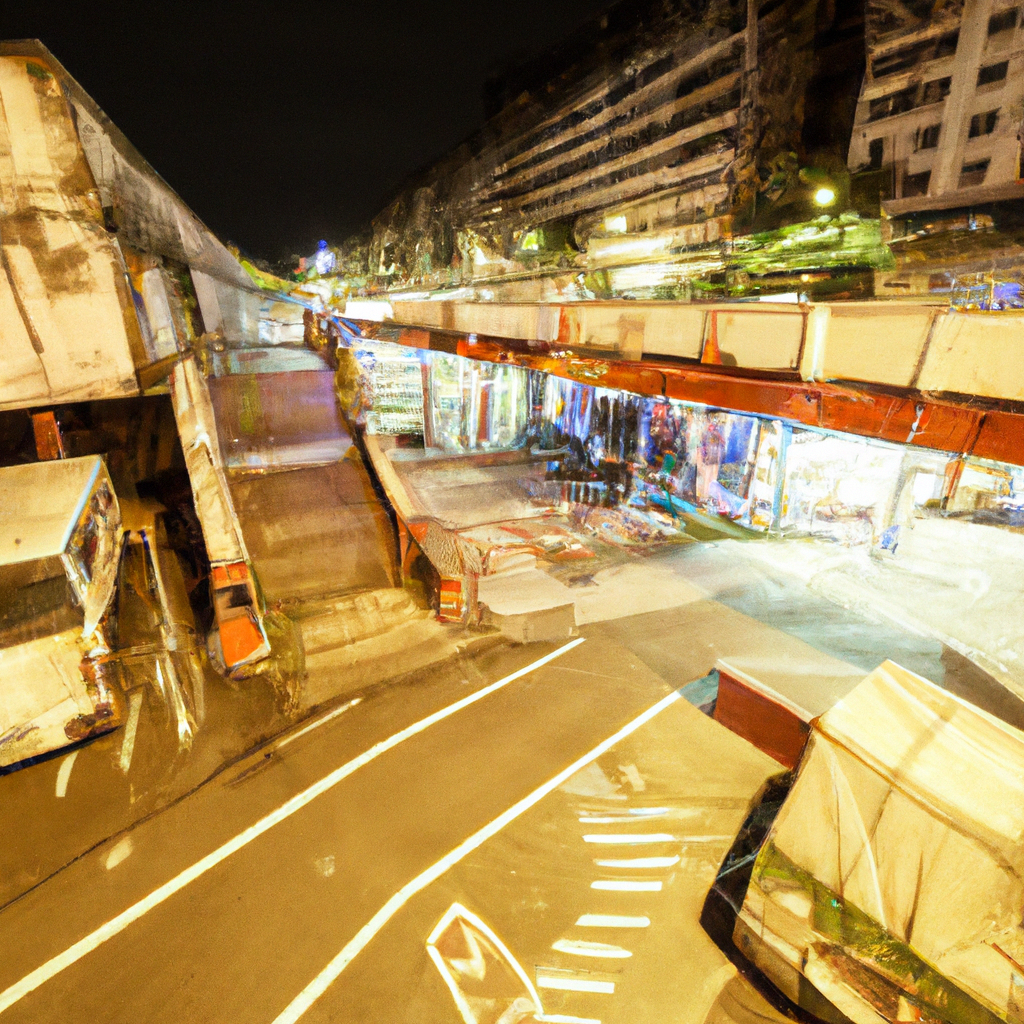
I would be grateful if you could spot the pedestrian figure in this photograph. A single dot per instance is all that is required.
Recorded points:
(710, 454)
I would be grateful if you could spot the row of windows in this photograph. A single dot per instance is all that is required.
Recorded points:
(934, 49)
(928, 137)
(928, 92)
(902, 60)
(918, 95)
(970, 174)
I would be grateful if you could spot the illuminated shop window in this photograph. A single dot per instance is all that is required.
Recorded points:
(476, 406)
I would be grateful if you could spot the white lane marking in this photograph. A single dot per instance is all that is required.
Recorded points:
(577, 985)
(116, 925)
(612, 921)
(619, 819)
(316, 988)
(638, 862)
(604, 950)
(65, 773)
(621, 885)
(130, 727)
(649, 811)
(707, 839)
(633, 839)
(118, 853)
(316, 725)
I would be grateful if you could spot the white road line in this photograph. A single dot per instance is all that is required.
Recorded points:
(602, 950)
(621, 885)
(634, 839)
(118, 853)
(65, 773)
(638, 862)
(116, 925)
(291, 737)
(577, 985)
(316, 988)
(128, 740)
(615, 820)
(612, 921)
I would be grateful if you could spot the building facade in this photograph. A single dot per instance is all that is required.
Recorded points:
(942, 104)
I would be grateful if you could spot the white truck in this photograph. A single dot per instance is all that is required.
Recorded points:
(60, 548)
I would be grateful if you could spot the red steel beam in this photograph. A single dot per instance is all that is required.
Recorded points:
(925, 422)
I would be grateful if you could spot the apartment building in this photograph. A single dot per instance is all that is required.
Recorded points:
(642, 139)
(942, 104)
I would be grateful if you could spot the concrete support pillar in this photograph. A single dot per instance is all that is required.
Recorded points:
(971, 45)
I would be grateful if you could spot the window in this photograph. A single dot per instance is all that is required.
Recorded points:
(895, 103)
(983, 124)
(993, 73)
(935, 91)
(913, 96)
(973, 173)
(1002, 22)
(908, 57)
(916, 184)
(928, 138)
(876, 150)
(879, 108)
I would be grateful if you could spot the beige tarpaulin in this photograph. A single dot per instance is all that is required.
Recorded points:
(81, 216)
(67, 320)
(906, 823)
(197, 428)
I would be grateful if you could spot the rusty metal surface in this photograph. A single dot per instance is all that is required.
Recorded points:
(916, 419)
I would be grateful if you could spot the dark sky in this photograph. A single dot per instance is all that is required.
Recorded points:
(280, 123)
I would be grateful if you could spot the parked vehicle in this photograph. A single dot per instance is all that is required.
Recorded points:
(60, 546)
(882, 881)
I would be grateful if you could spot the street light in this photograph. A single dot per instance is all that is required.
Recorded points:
(824, 196)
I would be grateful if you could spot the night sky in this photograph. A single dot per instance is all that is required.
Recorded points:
(281, 123)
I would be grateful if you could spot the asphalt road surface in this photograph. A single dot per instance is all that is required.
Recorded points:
(563, 797)
(230, 903)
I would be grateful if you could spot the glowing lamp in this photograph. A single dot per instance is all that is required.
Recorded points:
(824, 196)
